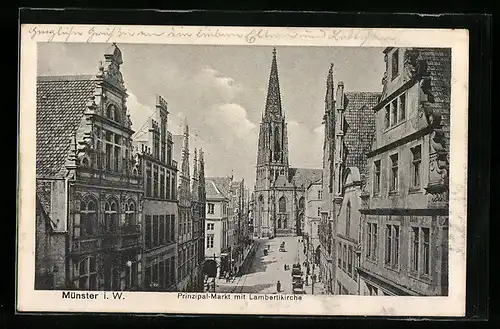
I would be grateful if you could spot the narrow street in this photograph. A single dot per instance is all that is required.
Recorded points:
(265, 271)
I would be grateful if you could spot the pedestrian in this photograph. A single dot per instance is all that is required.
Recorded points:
(284, 267)
(278, 286)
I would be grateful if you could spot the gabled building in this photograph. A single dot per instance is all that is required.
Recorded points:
(349, 127)
(279, 208)
(87, 180)
(159, 170)
(405, 200)
(190, 196)
(217, 242)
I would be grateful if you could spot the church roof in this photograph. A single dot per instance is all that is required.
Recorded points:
(359, 127)
(302, 177)
(60, 104)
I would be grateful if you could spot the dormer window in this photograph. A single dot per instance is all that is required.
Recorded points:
(395, 64)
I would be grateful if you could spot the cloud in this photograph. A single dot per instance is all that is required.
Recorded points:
(139, 113)
(305, 145)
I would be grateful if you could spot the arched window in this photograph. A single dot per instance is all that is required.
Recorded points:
(113, 113)
(279, 222)
(348, 219)
(130, 217)
(87, 270)
(277, 144)
(282, 204)
(285, 223)
(85, 162)
(88, 217)
(301, 203)
(111, 215)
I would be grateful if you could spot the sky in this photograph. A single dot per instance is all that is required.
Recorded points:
(221, 92)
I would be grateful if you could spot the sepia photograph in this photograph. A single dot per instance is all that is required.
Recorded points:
(239, 173)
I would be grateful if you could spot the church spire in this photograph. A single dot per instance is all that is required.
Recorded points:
(273, 101)
(185, 151)
(330, 91)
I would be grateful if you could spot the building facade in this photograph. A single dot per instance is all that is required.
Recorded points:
(355, 126)
(314, 196)
(87, 181)
(190, 196)
(349, 128)
(217, 243)
(279, 208)
(405, 201)
(159, 171)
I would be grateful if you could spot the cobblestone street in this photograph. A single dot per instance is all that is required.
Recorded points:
(265, 271)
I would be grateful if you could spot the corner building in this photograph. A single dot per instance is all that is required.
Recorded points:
(279, 207)
(404, 206)
(87, 180)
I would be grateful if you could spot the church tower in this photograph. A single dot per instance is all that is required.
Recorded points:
(272, 156)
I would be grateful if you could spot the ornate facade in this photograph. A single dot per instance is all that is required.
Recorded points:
(87, 180)
(279, 189)
(405, 200)
(191, 218)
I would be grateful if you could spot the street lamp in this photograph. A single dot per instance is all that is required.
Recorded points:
(129, 265)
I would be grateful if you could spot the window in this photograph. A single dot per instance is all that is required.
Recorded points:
(319, 211)
(426, 251)
(172, 270)
(373, 291)
(394, 172)
(87, 279)
(117, 159)
(392, 245)
(130, 214)
(109, 150)
(169, 153)
(148, 180)
(155, 182)
(172, 228)
(156, 146)
(161, 279)
(149, 232)
(111, 215)
(210, 208)
(402, 107)
(349, 261)
(394, 112)
(167, 193)
(162, 230)
(421, 251)
(172, 187)
(155, 230)
(348, 219)
(415, 166)
(162, 183)
(88, 218)
(371, 250)
(282, 204)
(320, 194)
(339, 256)
(210, 226)
(168, 278)
(395, 64)
(376, 179)
(344, 257)
(387, 116)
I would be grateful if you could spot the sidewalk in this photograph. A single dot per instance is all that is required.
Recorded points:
(319, 288)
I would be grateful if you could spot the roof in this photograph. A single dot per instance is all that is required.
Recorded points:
(60, 104)
(217, 187)
(302, 177)
(359, 127)
(43, 194)
(439, 70)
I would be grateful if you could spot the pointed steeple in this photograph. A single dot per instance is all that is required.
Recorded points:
(330, 91)
(273, 101)
(185, 152)
(201, 177)
(194, 178)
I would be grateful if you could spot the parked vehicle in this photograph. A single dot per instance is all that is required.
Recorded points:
(298, 291)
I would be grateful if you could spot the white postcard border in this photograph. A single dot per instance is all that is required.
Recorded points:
(30, 300)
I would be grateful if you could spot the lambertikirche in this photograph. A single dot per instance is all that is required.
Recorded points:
(279, 203)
